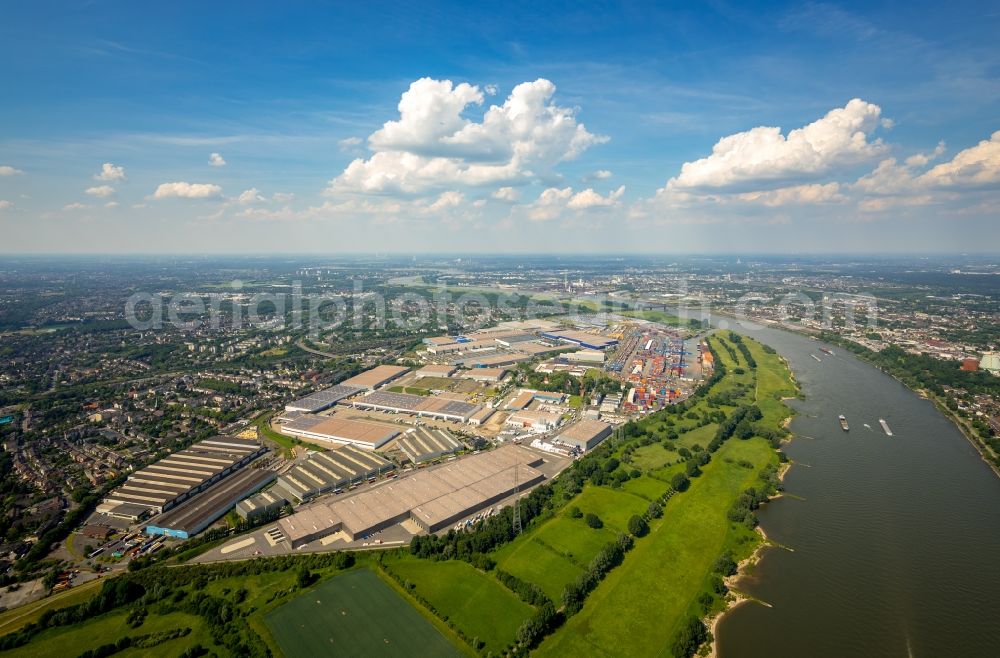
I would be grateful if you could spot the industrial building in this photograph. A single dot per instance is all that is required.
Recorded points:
(539, 348)
(490, 375)
(481, 416)
(197, 513)
(260, 505)
(581, 338)
(334, 430)
(435, 370)
(492, 360)
(528, 325)
(324, 472)
(585, 434)
(422, 444)
(465, 346)
(175, 478)
(536, 421)
(431, 406)
(521, 401)
(433, 498)
(324, 399)
(514, 340)
(586, 356)
(377, 376)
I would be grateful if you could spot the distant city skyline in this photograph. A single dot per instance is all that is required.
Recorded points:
(626, 128)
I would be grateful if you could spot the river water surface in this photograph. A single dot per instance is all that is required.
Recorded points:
(895, 541)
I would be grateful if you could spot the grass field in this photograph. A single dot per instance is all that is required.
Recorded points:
(658, 316)
(537, 563)
(773, 383)
(614, 507)
(70, 641)
(574, 539)
(436, 383)
(475, 602)
(355, 614)
(647, 487)
(13, 620)
(624, 616)
(652, 457)
(637, 609)
(412, 390)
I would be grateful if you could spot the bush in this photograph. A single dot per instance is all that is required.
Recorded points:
(689, 638)
(725, 564)
(679, 482)
(593, 521)
(637, 526)
(575, 513)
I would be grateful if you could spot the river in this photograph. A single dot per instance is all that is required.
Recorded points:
(894, 541)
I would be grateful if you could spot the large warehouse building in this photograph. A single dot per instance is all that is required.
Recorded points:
(377, 376)
(585, 435)
(334, 430)
(175, 478)
(581, 338)
(433, 498)
(324, 472)
(431, 406)
(324, 399)
(197, 513)
(256, 507)
(422, 444)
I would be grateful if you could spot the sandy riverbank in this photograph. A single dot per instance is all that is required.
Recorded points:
(735, 598)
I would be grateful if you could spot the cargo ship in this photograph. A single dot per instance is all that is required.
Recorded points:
(885, 427)
(826, 351)
(843, 424)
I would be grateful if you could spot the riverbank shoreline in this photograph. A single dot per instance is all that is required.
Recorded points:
(735, 598)
(943, 408)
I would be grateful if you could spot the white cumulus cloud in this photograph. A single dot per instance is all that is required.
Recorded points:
(4, 204)
(216, 160)
(187, 190)
(446, 200)
(601, 174)
(974, 167)
(796, 195)
(433, 145)
(588, 198)
(763, 154)
(508, 194)
(549, 204)
(75, 206)
(7, 170)
(111, 173)
(100, 191)
(250, 196)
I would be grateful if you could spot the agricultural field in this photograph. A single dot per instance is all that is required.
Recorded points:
(474, 601)
(355, 614)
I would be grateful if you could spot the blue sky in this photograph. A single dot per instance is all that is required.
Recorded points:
(600, 138)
